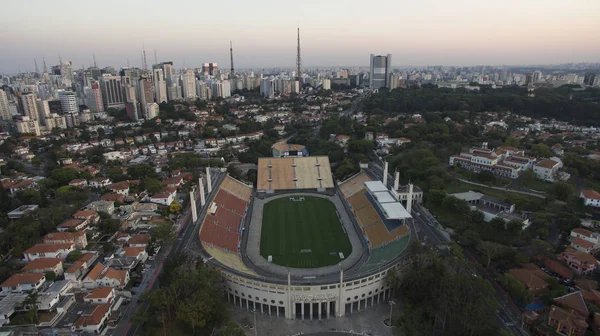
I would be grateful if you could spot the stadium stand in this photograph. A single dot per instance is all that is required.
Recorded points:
(223, 199)
(221, 228)
(290, 173)
(230, 260)
(236, 188)
(385, 254)
(354, 184)
(371, 222)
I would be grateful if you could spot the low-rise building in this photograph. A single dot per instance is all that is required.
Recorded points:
(585, 240)
(23, 282)
(590, 197)
(48, 251)
(78, 238)
(21, 211)
(548, 170)
(580, 262)
(139, 240)
(492, 207)
(162, 199)
(45, 265)
(103, 206)
(532, 277)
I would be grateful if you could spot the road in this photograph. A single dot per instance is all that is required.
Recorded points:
(186, 232)
(428, 230)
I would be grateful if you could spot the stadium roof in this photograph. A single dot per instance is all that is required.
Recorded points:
(375, 186)
(392, 209)
(395, 211)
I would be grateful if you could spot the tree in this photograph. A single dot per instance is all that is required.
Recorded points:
(175, 207)
(562, 190)
(541, 150)
(63, 176)
(232, 329)
(141, 171)
(490, 250)
(151, 185)
(511, 141)
(74, 256)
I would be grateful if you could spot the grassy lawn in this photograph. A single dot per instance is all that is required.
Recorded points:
(458, 186)
(535, 184)
(289, 227)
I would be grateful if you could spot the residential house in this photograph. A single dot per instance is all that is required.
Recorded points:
(558, 268)
(48, 251)
(76, 272)
(102, 276)
(100, 182)
(93, 321)
(139, 240)
(574, 301)
(23, 282)
(532, 277)
(72, 224)
(585, 240)
(103, 206)
(91, 217)
(566, 322)
(45, 265)
(162, 198)
(80, 183)
(78, 238)
(113, 197)
(174, 182)
(590, 197)
(580, 262)
(139, 253)
(100, 295)
(21, 211)
(121, 188)
(547, 170)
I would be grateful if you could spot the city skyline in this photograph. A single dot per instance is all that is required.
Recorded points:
(263, 32)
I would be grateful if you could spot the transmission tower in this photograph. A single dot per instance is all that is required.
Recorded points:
(299, 60)
(231, 55)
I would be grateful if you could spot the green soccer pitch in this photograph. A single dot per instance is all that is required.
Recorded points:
(303, 234)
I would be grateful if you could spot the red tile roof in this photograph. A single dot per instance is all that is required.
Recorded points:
(582, 232)
(42, 264)
(95, 318)
(100, 293)
(47, 248)
(582, 242)
(22, 278)
(141, 238)
(547, 163)
(591, 194)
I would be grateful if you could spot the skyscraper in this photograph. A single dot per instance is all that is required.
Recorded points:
(146, 94)
(93, 96)
(188, 80)
(210, 69)
(68, 102)
(267, 87)
(112, 91)
(160, 86)
(4, 108)
(381, 67)
(29, 102)
(43, 109)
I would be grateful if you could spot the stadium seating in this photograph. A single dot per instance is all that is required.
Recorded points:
(370, 221)
(354, 184)
(222, 229)
(226, 200)
(236, 188)
(231, 260)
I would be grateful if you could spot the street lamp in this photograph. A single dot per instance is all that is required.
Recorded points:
(392, 303)
(255, 327)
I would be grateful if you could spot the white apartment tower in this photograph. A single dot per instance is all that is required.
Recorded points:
(4, 107)
(68, 102)
(188, 80)
(160, 86)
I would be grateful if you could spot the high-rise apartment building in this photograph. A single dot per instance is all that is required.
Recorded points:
(267, 87)
(394, 81)
(326, 84)
(151, 111)
(146, 93)
(28, 125)
(29, 102)
(112, 91)
(4, 106)
(210, 69)
(381, 67)
(93, 96)
(68, 102)
(168, 71)
(188, 82)
(201, 90)
(43, 110)
(160, 86)
(589, 78)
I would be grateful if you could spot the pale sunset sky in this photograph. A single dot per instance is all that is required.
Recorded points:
(333, 32)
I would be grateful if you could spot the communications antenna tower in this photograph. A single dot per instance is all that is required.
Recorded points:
(299, 61)
(231, 75)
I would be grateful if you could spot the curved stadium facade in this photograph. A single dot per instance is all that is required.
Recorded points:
(231, 231)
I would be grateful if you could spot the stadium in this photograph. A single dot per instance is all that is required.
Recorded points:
(301, 246)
